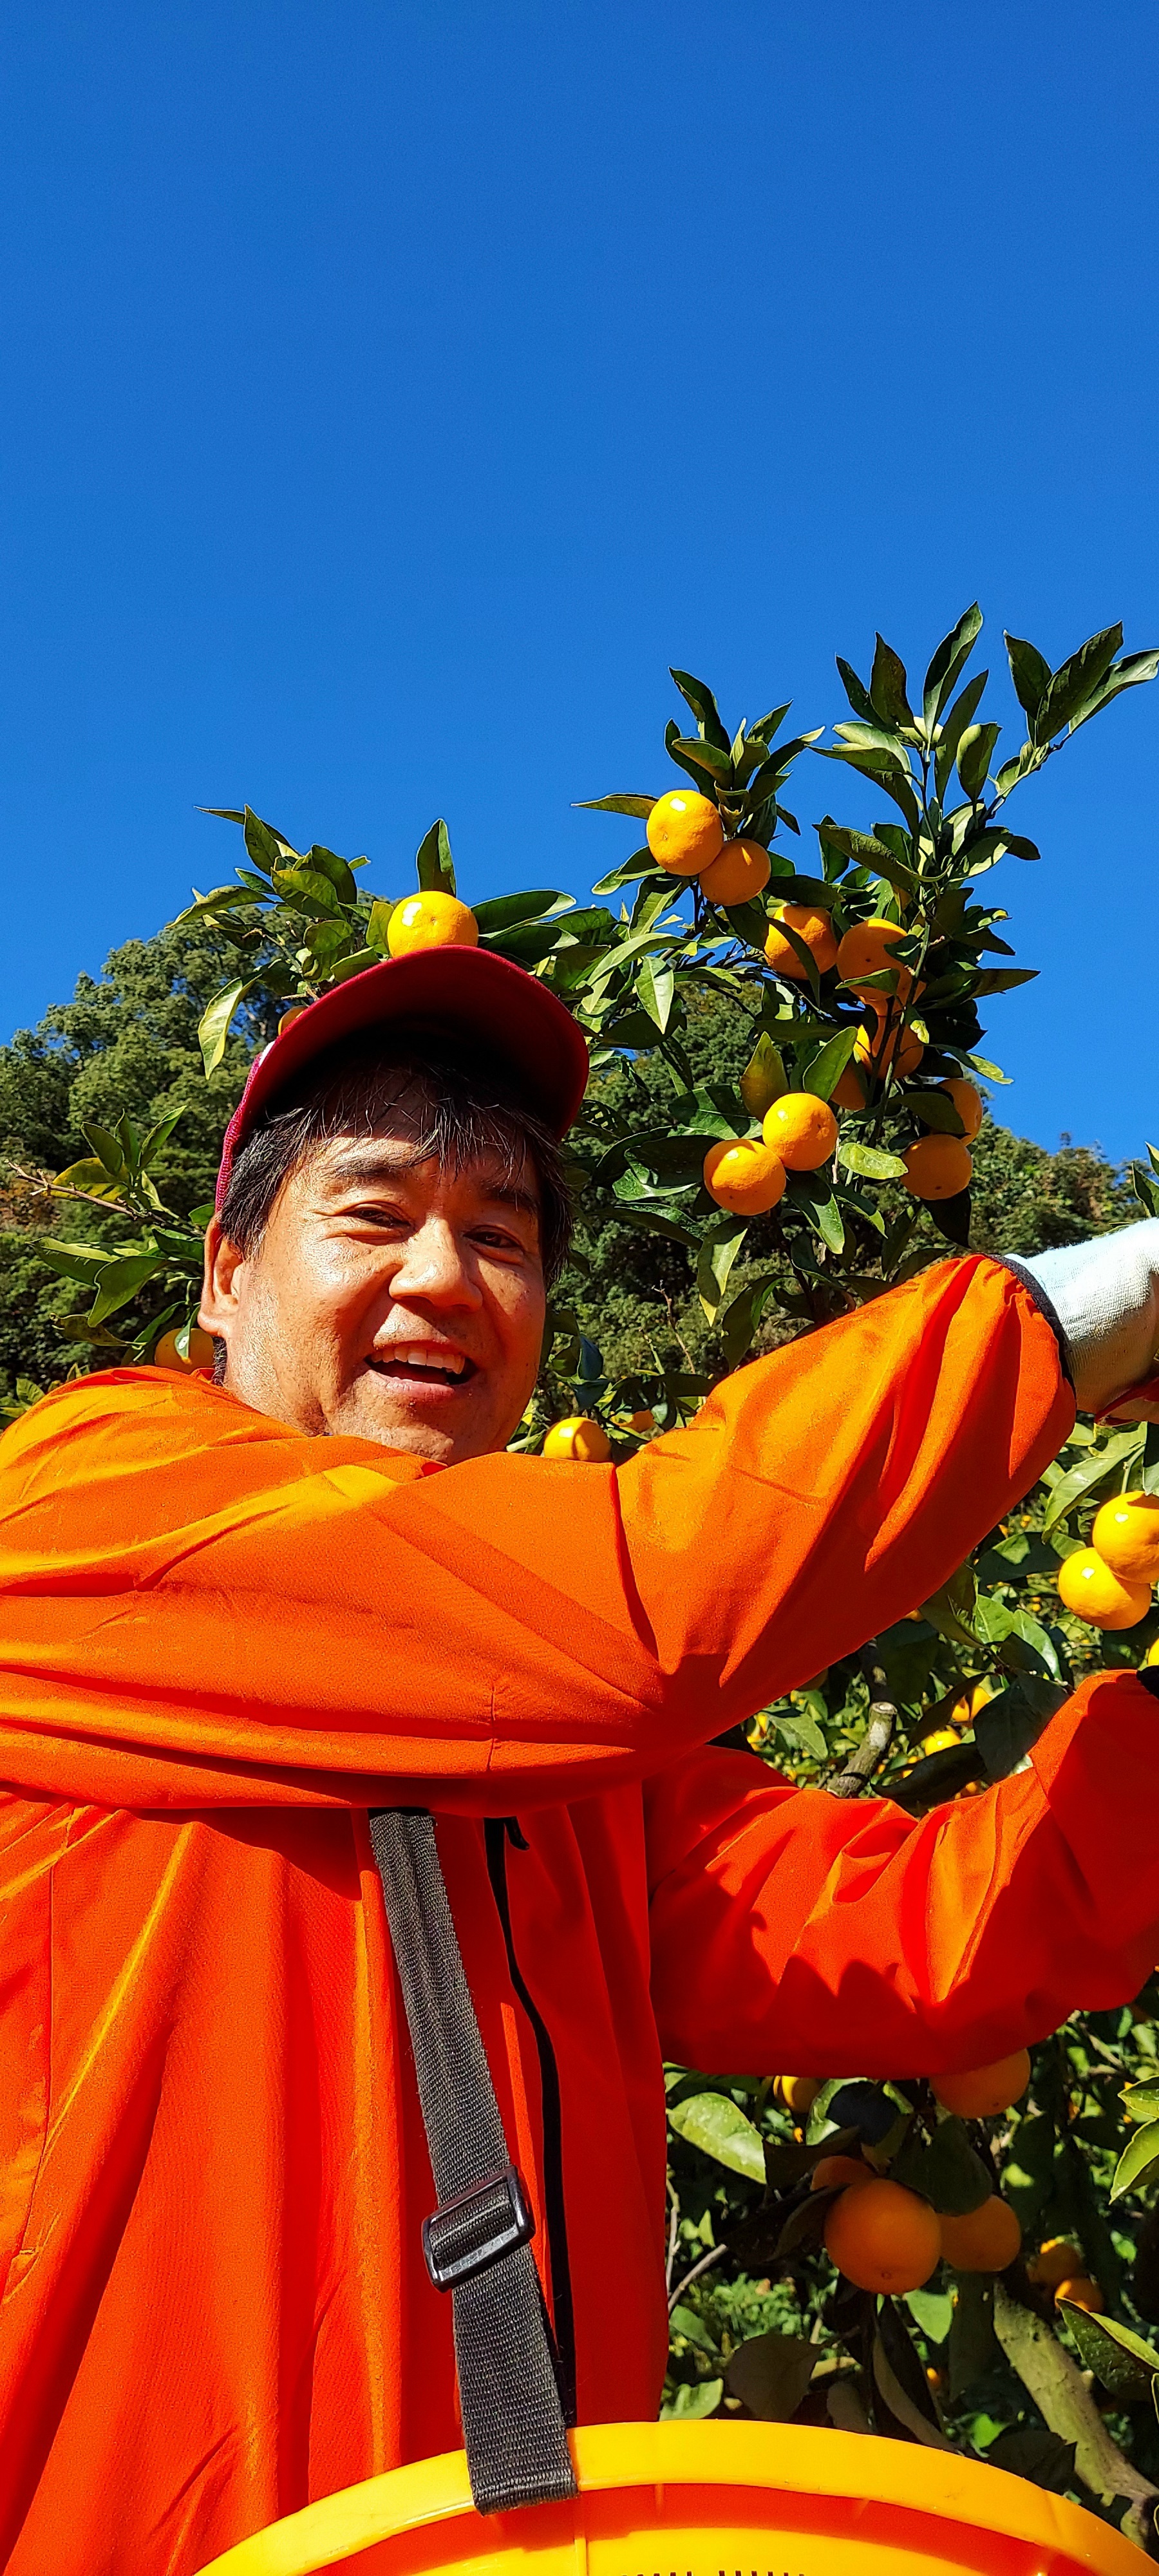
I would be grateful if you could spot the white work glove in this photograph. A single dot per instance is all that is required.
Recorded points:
(1104, 1297)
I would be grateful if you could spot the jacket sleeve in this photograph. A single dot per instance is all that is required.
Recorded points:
(201, 1606)
(797, 1932)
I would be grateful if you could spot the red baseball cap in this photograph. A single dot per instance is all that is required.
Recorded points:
(458, 992)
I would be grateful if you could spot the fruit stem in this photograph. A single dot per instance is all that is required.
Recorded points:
(871, 1752)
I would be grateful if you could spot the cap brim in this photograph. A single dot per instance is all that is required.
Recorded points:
(507, 1014)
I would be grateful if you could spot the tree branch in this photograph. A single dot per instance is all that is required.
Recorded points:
(1061, 2395)
(871, 1752)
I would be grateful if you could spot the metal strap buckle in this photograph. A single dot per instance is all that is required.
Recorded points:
(477, 2228)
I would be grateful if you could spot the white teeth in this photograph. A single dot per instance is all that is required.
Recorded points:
(424, 1355)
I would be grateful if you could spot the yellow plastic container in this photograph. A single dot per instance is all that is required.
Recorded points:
(702, 2500)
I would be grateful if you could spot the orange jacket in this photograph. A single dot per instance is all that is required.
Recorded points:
(222, 1641)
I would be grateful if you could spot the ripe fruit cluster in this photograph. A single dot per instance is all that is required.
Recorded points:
(748, 1176)
(1110, 1581)
(885, 2237)
(686, 838)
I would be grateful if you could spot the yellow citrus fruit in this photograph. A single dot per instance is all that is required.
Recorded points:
(937, 1167)
(1152, 1654)
(1126, 1535)
(868, 949)
(288, 1018)
(644, 1423)
(883, 2237)
(888, 1048)
(741, 871)
(940, 1741)
(969, 1104)
(801, 1129)
(981, 2092)
(849, 1091)
(168, 1356)
(577, 1436)
(684, 832)
(817, 932)
(1082, 2293)
(1057, 2260)
(983, 2240)
(1087, 1586)
(430, 921)
(746, 1177)
(838, 2173)
(796, 2093)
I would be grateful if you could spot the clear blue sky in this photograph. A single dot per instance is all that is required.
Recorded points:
(393, 392)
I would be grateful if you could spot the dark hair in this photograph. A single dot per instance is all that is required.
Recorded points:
(466, 1110)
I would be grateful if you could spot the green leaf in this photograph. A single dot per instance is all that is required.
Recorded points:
(88, 1175)
(1031, 2451)
(948, 2173)
(1141, 2101)
(951, 1609)
(435, 866)
(1090, 1473)
(740, 1321)
(266, 847)
(1126, 674)
(867, 851)
(933, 2311)
(699, 697)
(379, 922)
(822, 1072)
(856, 692)
(338, 872)
(960, 715)
(951, 657)
(975, 752)
(1138, 2161)
(1001, 979)
(933, 1109)
(639, 806)
(213, 1027)
(712, 766)
(770, 2374)
(684, 2321)
(355, 964)
(656, 990)
(887, 686)
(1029, 672)
(1074, 682)
(689, 2404)
(303, 890)
(716, 2124)
(870, 1160)
(108, 1149)
(507, 909)
(1122, 2360)
(157, 1137)
(120, 1280)
(719, 1249)
(764, 1079)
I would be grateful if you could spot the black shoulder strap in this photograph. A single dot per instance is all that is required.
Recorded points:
(477, 2243)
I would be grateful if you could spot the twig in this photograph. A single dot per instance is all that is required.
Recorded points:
(871, 1752)
(1061, 2395)
(713, 2256)
(673, 2226)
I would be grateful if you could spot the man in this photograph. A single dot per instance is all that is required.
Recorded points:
(240, 1615)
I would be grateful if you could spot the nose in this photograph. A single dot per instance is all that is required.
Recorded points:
(433, 1269)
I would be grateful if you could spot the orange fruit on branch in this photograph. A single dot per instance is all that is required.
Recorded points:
(796, 2093)
(835, 2173)
(746, 1177)
(168, 1356)
(1082, 2293)
(969, 1104)
(869, 949)
(814, 928)
(684, 832)
(578, 1436)
(801, 1129)
(982, 2240)
(1087, 1585)
(937, 1167)
(1126, 1536)
(1057, 2260)
(888, 1048)
(431, 921)
(981, 2092)
(883, 2237)
(849, 1091)
(741, 871)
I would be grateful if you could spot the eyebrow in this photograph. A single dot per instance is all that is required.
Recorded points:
(353, 1169)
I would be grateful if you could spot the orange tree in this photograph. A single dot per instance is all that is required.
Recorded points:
(785, 1049)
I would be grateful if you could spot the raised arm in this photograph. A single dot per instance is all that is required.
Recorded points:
(792, 1930)
(202, 1606)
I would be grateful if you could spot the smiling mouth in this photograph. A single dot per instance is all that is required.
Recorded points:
(418, 1364)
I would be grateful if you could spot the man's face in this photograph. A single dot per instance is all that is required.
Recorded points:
(397, 1301)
